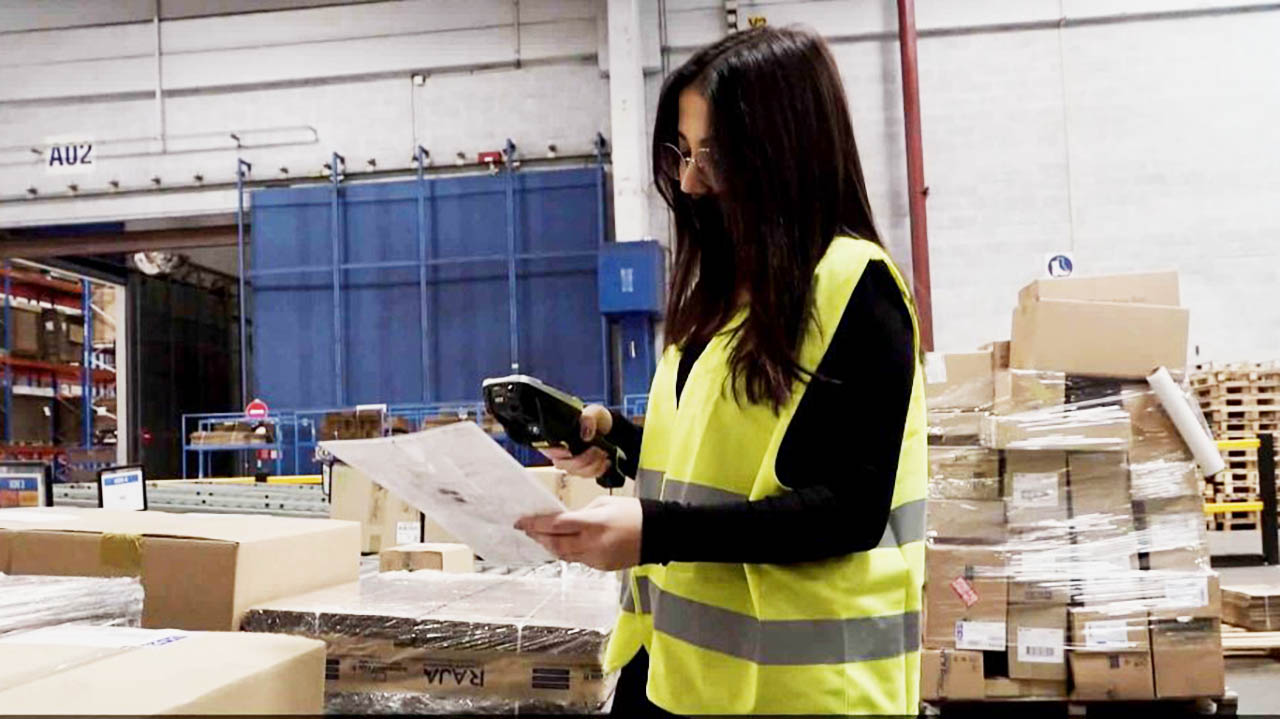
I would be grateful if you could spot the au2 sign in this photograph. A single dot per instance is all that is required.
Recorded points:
(69, 157)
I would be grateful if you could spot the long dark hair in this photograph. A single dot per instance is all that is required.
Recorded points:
(787, 181)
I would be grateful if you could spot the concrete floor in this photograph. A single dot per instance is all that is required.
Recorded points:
(1256, 681)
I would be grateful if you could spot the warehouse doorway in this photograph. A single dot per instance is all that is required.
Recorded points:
(175, 346)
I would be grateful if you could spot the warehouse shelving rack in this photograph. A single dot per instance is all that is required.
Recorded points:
(66, 380)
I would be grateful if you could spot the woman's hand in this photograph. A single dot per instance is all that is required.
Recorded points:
(593, 462)
(604, 535)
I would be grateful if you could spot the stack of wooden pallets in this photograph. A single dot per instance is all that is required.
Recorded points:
(1240, 401)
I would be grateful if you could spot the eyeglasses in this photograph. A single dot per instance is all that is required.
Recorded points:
(676, 163)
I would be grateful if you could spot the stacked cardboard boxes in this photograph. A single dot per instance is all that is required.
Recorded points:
(1066, 555)
(198, 571)
(439, 643)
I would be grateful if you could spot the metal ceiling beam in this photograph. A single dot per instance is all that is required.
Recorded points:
(16, 245)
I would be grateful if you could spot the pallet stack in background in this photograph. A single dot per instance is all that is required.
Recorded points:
(1239, 401)
(1066, 555)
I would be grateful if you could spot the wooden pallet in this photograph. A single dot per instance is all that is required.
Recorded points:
(1241, 642)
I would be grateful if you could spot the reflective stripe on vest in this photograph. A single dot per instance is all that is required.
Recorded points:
(780, 642)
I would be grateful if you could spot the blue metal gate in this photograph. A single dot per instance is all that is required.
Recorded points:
(414, 291)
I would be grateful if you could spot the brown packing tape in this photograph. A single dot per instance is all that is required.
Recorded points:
(121, 552)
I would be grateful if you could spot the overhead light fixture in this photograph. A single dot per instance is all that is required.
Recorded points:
(156, 263)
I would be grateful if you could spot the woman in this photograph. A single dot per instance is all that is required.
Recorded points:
(776, 545)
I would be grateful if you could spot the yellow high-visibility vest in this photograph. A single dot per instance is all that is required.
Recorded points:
(837, 636)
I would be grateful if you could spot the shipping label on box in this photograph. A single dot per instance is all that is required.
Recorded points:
(980, 636)
(1100, 630)
(1036, 489)
(1037, 642)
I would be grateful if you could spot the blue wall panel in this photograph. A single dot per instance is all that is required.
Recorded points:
(464, 229)
(292, 312)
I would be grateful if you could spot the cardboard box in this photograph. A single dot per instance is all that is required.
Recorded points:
(385, 519)
(1155, 438)
(199, 571)
(1047, 589)
(1099, 338)
(950, 674)
(1035, 488)
(1104, 631)
(963, 463)
(1111, 676)
(1146, 288)
(999, 354)
(1027, 390)
(1252, 606)
(52, 335)
(958, 380)
(1187, 656)
(953, 428)
(1100, 489)
(1093, 429)
(964, 473)
(966, 520)
(1006, 688)
(75, 670)
(1181, 595)
(455, 644)
(966, 601)
(577, 492)
(454, 558)
(1037, 638)
(1164, 532)
(1160, 481)
(26, 332)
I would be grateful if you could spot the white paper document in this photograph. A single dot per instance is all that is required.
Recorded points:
(463, 480)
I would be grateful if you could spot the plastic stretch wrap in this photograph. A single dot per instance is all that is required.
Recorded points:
(435, 643)
(31, 602)
(1066, 543)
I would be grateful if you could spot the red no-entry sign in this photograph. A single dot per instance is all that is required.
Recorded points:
(257, 409)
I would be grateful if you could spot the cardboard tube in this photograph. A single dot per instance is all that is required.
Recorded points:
(1174, 401)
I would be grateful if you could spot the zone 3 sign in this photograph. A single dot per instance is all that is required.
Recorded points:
(69, 157)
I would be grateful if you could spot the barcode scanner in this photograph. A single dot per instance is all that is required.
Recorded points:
(540, 416)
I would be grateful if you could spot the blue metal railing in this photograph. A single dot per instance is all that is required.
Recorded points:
(295, 433)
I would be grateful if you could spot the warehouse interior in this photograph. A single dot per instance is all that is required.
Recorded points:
(295, 292)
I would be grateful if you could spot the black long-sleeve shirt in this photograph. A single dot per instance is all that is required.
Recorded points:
(839, 454)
